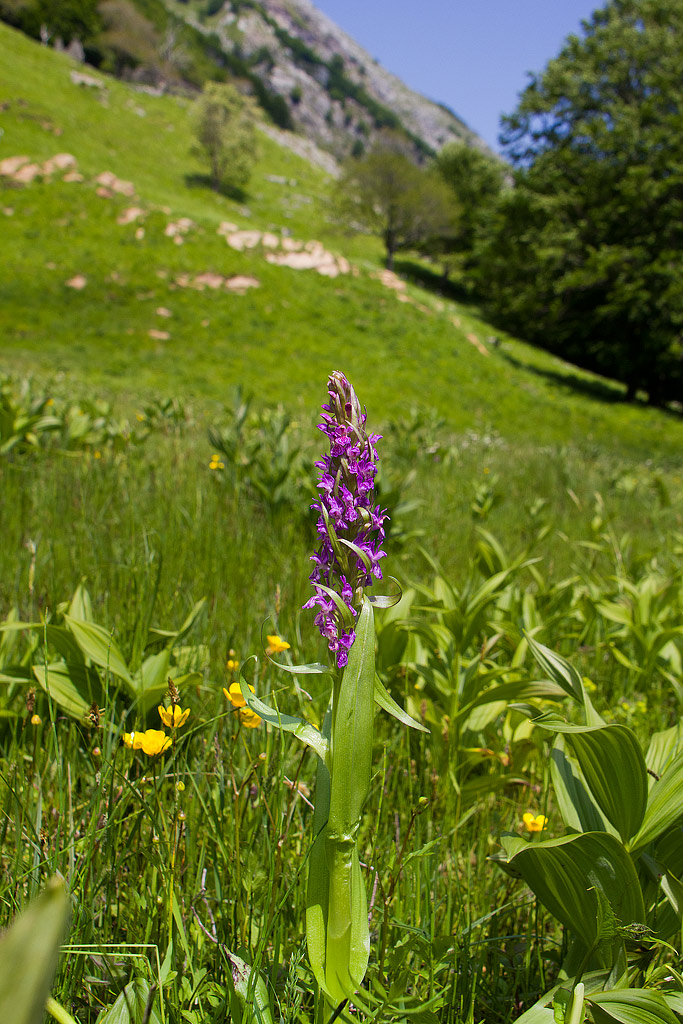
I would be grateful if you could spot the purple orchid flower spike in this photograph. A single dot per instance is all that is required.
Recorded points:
(350, 524)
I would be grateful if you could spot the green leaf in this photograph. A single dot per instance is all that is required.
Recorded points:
(28, 956)
(564, 872)
(614, 769)
(385, 701)
(98, 645)
(559, 670)
(131, 1006)
(577, 807)
(303, 731)
(251, 991)
(72, 687)
(348, 937)
(664, 807)
(631, 1006)
(151, 682)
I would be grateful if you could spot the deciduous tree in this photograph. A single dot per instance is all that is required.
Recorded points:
(584, 256)
(225, 130)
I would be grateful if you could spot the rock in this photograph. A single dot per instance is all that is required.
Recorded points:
(59, 162)
(26, 174)
(78, 282)
(88, 81)
(11, 164)
(240, 283)
(158, 335)
(129, 215)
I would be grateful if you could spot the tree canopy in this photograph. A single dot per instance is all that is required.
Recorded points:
(584, 254)
(388, 194)
(226, 134)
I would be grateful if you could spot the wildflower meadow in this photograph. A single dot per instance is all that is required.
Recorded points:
(387, 758)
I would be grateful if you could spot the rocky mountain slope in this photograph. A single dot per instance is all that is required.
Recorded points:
(337, 94)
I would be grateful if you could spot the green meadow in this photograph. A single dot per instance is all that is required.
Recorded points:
(157, 449)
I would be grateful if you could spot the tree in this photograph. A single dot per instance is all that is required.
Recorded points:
(224, 125)
(475, 179)
(585, 256)
(386, 193)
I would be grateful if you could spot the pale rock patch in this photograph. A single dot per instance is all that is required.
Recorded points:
(162, 311)
(241, 283)
(129, 215)
(107, 179)
(241, 240)
(73, 176)
(11, 164)
(59, 162)
(78, 282)
(27, 173)
(158, 335)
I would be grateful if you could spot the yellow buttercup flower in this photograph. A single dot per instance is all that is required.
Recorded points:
(151, 742)
(232, 665)
(216, 462)
(36, 720)
(173, 717)
(248, 717)
(276, 645)
(133, 740)
(234, 695)
(534, 822)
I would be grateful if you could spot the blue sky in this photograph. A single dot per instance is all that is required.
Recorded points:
(472, 55)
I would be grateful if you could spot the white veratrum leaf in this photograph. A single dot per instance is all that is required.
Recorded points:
(563, 873)
(561, 672)
(303, 731)
(131, 1006)
(251, 991)
(28, 956)
(664, 806)
(98, 645)
(631, 1006)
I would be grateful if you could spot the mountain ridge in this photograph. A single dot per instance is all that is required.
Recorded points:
(336, 93)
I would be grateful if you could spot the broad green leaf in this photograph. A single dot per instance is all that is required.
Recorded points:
(151, 682)
(662, 749)
(98, 645)
(559, 670)
(519, 691)
(72, 687)
(631, 1006)
(303, 731)
(563, 873)
(664, 806)
(131, 1006)
(314, 668)
(385, 701)
(613, 767)
(251, 991)
(81, 607)
(28, 956)
(577, 807)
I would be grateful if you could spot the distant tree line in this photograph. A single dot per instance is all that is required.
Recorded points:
(576, 245)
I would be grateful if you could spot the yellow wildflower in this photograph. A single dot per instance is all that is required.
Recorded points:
(232, 665)
(173, 717)
(534, 822)
(36, 720)
(151, 742)
(133, 740)
(216, 462)
(276, 645)
(249, 718)
(234, 695)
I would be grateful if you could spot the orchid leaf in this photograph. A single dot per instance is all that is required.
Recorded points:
(304, 731)
(387, 703)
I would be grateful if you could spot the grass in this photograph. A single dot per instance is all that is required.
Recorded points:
(203, 851)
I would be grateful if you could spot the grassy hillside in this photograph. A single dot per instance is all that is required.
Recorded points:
(280, 338)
